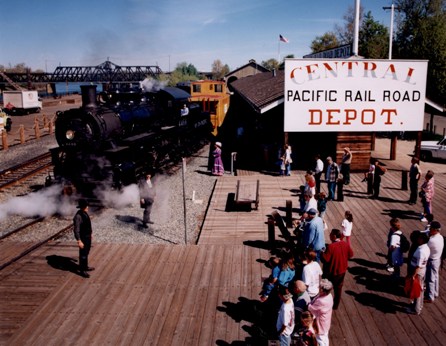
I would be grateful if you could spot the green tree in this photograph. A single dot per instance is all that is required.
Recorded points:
(324, 42)
(421, 34)
(373, 38)
(270, 64)
(219, 70)
(183, 72)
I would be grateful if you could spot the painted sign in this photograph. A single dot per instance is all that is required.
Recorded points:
(354, 95)
(341, 52)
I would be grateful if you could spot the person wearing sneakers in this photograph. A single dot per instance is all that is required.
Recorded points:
(394, 254)
(436, 245)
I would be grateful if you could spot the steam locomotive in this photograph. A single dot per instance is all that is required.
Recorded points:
(117, 136)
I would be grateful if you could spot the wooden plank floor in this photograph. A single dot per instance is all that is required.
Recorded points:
(207, 294)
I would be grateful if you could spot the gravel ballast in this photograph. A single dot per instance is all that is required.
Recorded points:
(121, 221)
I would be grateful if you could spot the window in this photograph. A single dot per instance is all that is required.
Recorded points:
(218, 88)
(196, 88)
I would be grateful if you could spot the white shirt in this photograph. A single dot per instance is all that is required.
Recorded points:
(311, 203)
(436, 244)
(311, 275)
(347, 227)
(397, 255)
(319, 166)
(420, 256)
(286, 318)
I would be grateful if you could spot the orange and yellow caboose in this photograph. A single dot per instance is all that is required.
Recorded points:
(214, 98)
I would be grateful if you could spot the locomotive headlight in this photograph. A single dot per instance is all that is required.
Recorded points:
(69, 135)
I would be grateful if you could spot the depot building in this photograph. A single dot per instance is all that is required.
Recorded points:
(321, 106)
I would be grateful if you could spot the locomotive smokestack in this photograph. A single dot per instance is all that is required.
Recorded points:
(88, 96)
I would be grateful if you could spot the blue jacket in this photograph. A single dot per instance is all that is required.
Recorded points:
(314, 234)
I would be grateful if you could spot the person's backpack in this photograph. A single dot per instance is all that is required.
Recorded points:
(404, 243)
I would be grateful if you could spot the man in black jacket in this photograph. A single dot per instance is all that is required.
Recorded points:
(82, 233)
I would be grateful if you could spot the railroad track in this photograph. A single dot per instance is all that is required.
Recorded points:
(14, 175)
(14, 252)
(42, 229)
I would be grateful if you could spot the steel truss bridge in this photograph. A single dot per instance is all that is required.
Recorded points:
(106, 72)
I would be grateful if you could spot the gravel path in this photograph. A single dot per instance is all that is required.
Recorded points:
(121, 221)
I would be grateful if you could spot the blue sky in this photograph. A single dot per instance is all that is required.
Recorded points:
(43, 34)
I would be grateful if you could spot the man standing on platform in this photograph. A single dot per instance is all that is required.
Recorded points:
(318, 169)
(345, 165)
(414, 177)
(335, 260)
(436, 245)
(313, 236)
(331, 176)
(83, 235)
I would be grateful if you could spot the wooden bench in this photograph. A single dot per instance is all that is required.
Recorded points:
(281, 225)
(247, 195)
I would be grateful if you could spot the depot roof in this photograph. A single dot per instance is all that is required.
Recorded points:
(262, 91)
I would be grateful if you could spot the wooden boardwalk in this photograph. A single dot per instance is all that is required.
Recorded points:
(207, 294)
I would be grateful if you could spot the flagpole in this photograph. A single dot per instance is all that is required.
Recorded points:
(278, 52)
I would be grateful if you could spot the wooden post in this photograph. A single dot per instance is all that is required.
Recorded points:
(271, 233)
(393, 144)
(4, 140)
(289, 213)
(404, 180)
(45, 121)
(36, 128)
(418, 144)
(50, 128)
(22, 134)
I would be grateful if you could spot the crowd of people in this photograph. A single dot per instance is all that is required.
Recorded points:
(424, 259)
(305, 286)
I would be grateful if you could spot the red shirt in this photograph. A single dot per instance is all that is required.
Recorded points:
(336, 257)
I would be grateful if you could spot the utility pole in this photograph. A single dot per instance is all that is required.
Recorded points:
(356, 33)
(392, 8)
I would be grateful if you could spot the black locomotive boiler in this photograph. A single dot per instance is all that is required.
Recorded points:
(116, 136)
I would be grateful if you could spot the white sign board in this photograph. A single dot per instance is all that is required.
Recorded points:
(354, 95)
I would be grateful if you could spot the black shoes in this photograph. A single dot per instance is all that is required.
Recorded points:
(145, 224)
(84, 274)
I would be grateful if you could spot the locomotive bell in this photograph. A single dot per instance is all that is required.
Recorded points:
(88, 96)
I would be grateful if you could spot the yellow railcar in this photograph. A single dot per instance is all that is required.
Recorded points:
(214, 98)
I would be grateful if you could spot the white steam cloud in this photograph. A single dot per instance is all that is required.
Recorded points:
(119, 198)
(45, 202)
(150, 84)
(51, 201)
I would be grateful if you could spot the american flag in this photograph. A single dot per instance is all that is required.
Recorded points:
(283, 39)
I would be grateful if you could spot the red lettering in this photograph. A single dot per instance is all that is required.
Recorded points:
(409, 76)
(311, 71)
(389, 113)
(363, 116)
(330, 116)
(348, 117)
(318, 113)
